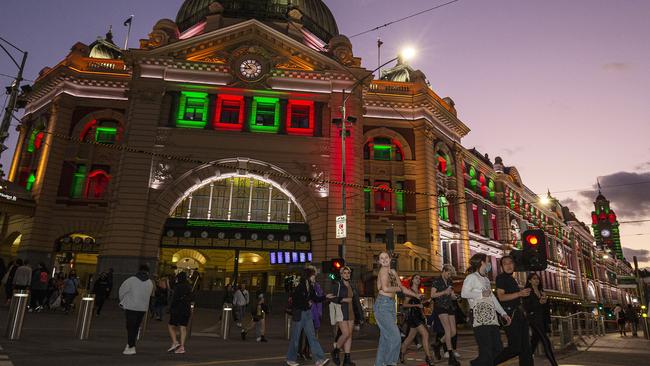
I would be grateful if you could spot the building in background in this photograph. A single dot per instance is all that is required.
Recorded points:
(211, 149)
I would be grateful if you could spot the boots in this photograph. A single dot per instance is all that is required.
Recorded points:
(347, 361)
(436, 350)
(335, 354)
(452, 359)
(428, 361)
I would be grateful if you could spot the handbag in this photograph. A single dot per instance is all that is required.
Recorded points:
(484, 313)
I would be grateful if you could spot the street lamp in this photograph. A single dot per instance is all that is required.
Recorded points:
(12, 91)
(406, 54)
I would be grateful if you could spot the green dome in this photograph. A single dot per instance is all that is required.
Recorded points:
(317, 17)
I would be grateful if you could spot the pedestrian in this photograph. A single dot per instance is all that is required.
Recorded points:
(160, 298)
(510, 295)
(302, 298)
(22, 276)
(134, 297)
(40, 280)
(240, 301)
(109, 276)
(484, 308)
(101, 288)
(416, 321)
(535, 306)
(346, 309)
(70, 290)
(259, 319)
(442, 293)
(388, 285)
(632, 318)
(180, 312)
(8, 280)
(620, 320)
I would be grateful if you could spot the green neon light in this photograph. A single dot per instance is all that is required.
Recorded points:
(32, 139)
(199, 105)
(30, 182)
(105, 134)
(276, 118)
(382, 147)
(236, 225)
(399, 200)
(472, 172)
(78, 182)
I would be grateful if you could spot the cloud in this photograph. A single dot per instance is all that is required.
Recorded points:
(512, 151)
(616, 66)
(570, 203)
(628, 192)
(642, 255)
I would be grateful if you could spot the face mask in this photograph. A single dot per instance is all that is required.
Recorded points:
(488, 268)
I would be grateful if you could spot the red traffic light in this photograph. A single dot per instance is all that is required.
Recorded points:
(337, 264)
(532, 239)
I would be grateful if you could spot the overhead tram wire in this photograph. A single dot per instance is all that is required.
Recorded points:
(404, 18)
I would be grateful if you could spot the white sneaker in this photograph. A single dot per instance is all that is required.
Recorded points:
(258, 339)
(446, 355)
(173, 347)
(292, 363)
(322, 362)
(456, 354)
(129, 351)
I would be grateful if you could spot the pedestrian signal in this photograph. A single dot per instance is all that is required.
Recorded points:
(532, 257)
(333, 267)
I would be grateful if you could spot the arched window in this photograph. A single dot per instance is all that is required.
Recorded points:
(383, 197)
(383, 148)
(103, 131)
(97, 184)
(443, 208)
(443, 160)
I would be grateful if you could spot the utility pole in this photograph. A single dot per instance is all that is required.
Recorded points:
(13, 95)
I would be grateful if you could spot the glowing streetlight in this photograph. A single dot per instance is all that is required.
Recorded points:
(408, 53)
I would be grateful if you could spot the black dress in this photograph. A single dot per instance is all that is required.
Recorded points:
(180, 309)
(415, 316)
(443, 304)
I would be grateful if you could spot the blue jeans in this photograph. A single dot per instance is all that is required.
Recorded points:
(389, 337)
(306, 323)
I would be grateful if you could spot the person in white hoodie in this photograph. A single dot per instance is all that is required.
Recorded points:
(135, 294)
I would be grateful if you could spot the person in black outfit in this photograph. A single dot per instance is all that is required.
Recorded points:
(101, 288)
(348, 301)
(416, 322)
(535, 306)
(510, 296)
(632, 318)
(444, 305)
(180, 312)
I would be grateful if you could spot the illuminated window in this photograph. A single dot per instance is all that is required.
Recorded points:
(485, 223)
(35, 140)
(230, 112)
(384, 149)
(97, 184)
(300, 117)
(265, 115)
(383, 197)
(399, 198)
(443, 208)
(444, 164)
(30, 182)
(495, 227)
(192, 110)
(78, 182)
(477, 223)
(101, 131)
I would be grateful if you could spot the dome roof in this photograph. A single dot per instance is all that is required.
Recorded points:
(317, 17)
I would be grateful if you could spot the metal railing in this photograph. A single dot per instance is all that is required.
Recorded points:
(567, 328)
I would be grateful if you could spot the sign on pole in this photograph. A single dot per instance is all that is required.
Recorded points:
(341, 227)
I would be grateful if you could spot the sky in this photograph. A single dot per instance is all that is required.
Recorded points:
(560, 89)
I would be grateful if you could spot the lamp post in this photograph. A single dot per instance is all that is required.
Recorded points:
(12, 91)
(406, 54)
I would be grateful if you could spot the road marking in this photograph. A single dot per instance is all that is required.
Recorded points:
(223, 362)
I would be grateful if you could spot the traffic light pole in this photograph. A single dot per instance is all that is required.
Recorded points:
(13, 95)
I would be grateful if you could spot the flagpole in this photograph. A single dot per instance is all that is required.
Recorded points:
(128, 33)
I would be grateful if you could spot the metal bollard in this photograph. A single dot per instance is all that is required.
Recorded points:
(143, 326)
(287, 328)
(17, 314)
(225, 320)
(646, 327)
(85, 317)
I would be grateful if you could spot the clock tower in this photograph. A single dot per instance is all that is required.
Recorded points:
(606, 228)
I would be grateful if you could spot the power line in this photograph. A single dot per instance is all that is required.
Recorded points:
(13, 77)
(404, 18)
(602, 187)
(634, 221)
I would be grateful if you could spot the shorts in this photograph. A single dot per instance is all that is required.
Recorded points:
(179, 319)
(444, 311)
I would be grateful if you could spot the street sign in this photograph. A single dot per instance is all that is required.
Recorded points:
(341, 227)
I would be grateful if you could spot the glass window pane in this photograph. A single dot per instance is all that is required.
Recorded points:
(300, 116)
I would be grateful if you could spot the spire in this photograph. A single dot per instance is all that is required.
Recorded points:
(598, 182)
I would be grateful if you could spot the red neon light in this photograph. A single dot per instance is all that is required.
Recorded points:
(216, 121)
(38, 141)
(532, 240)
(194, 31)
(301, 131)
(97, 184)
(87, 128)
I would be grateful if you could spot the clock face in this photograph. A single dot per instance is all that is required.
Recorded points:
(605, 233)
(251, 69)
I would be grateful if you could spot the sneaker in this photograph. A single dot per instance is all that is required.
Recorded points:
(129, 350)
(322, 362)
(173, 347)
(418, 346)
(180, 350)
(456, 354)
(258, 339)
(292, 363)
(446, 355)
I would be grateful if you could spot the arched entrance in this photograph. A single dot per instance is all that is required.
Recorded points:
(236, 228)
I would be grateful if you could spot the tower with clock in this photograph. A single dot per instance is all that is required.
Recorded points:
(606, 228)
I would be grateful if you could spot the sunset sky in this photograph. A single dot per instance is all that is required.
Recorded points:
(560, 89)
